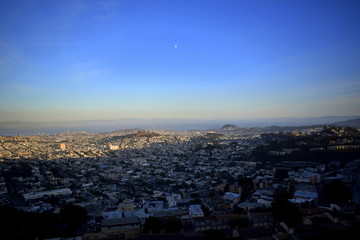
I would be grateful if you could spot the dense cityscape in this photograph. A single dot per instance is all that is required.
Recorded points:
(228, 183)
(179, 120)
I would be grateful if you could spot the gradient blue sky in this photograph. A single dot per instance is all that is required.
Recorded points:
(108, 59)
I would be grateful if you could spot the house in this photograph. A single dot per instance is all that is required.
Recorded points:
(196, 211)
(121, 228)
(119, 223)
(126, 206)
(260, 219)
(305, 198)
(111, 214)
(54, 192)
(177, 213)
(233, 197)
(246, 206)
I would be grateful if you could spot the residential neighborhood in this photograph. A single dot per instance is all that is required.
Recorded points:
(139, 184)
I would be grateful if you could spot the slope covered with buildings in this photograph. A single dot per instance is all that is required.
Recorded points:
(232, 183)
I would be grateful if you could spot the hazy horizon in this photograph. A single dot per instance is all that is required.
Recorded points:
(98, 126)
(75, 59)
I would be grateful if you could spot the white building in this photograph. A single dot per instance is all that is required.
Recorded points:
(112, 214)
(196, 211)
(54, 192)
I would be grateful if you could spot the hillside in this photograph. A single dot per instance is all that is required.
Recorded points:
(355, 123)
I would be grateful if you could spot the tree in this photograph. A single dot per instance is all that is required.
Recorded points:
(16, 224)
(336, 192)
(286, 213)
(282, 210)
(239, 223)
(281, 174)
(214, 235)
(74, 217)
(238, 210)
(281, 196)
(152, 225)
(227, 187)
(206, 210)
(173, 225)
(246, 184)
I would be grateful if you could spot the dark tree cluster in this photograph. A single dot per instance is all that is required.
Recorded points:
(337, 192)
(155, 226)
(282, 210)
(16, 224)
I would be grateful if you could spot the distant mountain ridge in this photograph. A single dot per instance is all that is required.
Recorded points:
(354, 123)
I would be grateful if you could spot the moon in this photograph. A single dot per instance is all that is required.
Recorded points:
(175, 46)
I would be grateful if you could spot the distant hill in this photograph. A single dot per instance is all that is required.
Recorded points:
(354, 123)
(145, 134)
(291, 128)
(229, 127)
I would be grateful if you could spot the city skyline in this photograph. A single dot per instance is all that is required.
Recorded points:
(82, 60)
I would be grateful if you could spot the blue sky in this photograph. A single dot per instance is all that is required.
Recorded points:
(108, 59)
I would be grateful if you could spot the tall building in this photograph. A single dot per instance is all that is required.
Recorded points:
(62, 146)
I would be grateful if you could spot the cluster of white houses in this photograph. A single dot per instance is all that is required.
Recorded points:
(53, 192)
